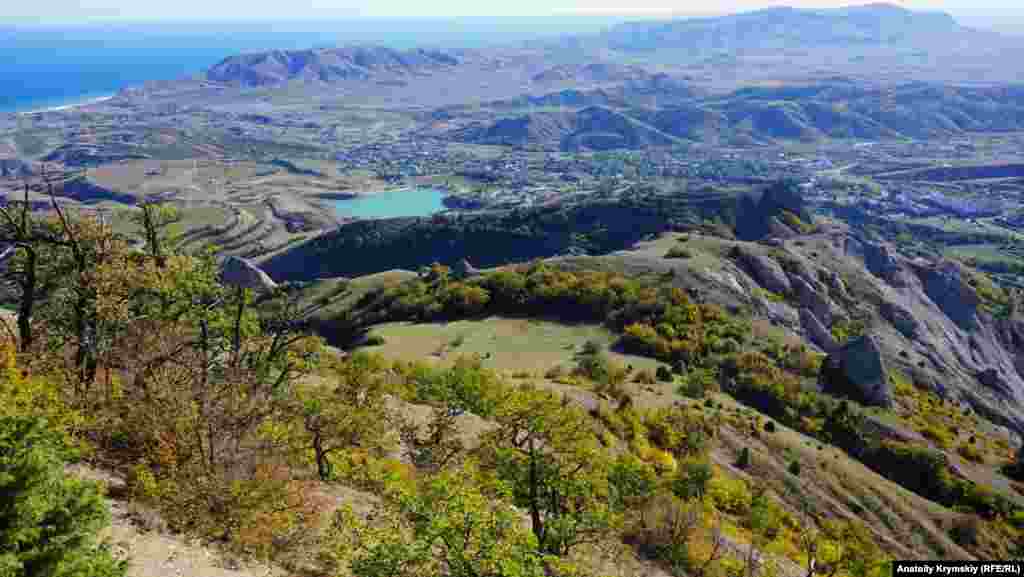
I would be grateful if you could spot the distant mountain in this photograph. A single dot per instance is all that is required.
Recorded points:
(879, 43)
(600, 128)
(590, 128)
(595, 72)
(533, 128)
(327, 65)
(783, 27)
(603, 119)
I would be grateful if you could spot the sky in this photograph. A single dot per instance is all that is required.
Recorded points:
(997, 14)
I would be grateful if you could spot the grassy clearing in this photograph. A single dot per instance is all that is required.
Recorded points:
(985, 253)
(515, 345)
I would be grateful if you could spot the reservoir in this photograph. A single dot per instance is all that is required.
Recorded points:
(392, 203)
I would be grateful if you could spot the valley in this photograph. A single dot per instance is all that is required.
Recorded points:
(701, 297)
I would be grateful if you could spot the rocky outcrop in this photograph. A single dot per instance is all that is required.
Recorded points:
(766, 272)
(5, 257)
(946, 287)
(817, 332)
(814, 300)
(902, 319)
(880, 260)
(239, 272)
(463, 269)
(757, 214)
(857, 371)
(777, 229)
(780, 313)
(994, 379)
(836, 286)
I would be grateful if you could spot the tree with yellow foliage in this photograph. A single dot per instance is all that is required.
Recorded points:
(454, 523)
(548, 452)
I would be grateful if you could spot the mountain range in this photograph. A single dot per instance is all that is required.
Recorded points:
(835, 109)
(883, 42)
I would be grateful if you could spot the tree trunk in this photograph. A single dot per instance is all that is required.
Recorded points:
(237, 344)
(323, 467)
(28, 300)
(537, 522)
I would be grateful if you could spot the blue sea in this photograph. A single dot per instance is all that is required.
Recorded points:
(46, 66)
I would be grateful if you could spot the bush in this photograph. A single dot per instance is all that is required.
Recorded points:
(692, 480)
(373, 341)
(744, 459)
(679, 252)
(794, 468)
(971, 453)
(769, 427)
(730, 495)
(48, 522)
(664, 374)
(965, 531)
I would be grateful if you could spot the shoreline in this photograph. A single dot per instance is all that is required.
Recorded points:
(69, 106)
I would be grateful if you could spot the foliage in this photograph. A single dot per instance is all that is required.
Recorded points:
(347, 413)
(793, 221)
(450, 524)
(679, 252)
(23, 394)
(794, 468)
(550, 456)
(846, 329)
(743, 461)
(655, 321)
(48, 522)
(664, 374)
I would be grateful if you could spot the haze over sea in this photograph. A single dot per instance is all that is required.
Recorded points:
(49, 66)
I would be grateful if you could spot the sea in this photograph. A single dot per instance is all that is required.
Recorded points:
(47, 66)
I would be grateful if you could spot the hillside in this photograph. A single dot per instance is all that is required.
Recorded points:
(327, 65)
(800, 401)
(939, 405)
(490, 238)
(833, 109)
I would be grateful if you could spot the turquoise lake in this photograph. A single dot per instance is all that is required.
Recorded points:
(392, 203)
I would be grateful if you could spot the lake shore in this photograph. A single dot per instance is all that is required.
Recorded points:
(349, 195)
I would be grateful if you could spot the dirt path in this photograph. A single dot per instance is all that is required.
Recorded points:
(154, 552)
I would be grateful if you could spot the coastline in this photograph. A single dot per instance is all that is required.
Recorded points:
(67, 106)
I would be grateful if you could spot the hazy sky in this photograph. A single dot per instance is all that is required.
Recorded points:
(988, 13)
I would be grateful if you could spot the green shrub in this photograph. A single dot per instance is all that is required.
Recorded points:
(794, 468)
(48, 521)
(744, 459)
(971, 453)
(664, 374)
(692, 480)
(373, 341)
(679, 252)
(965, 531)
